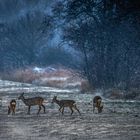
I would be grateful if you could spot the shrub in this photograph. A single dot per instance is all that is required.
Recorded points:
(85, 86)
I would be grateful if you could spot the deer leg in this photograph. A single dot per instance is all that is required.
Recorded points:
(14, 110)
(9, 110)
(71, 110)
(77, 109)
(43, 107)
(100, 109)
(99, 106)
(29, 107)
(93, 107)
(62, 110)
(39, 109)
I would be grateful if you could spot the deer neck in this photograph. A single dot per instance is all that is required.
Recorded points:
(58, 102)
(24, 100)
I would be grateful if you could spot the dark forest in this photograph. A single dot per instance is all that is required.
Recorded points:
(100, 38)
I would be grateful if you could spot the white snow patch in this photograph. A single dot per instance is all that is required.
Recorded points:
(43, 70)
(55, 78)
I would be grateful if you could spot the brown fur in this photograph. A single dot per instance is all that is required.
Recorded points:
(97, 103)
(65, 103)
(12, 107)
(32, 102)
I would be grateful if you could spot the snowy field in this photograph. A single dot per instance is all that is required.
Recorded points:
(120, 120)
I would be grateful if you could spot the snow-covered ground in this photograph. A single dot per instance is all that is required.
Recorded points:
(120, 119)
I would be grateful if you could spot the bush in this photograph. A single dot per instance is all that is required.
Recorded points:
(114, 93)
(26, 76)
(85, 86)
(59, 77)
(132, 94)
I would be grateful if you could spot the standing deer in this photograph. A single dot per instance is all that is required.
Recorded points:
(32, 102)
(65, 103)
(97, 100)
(12, 107)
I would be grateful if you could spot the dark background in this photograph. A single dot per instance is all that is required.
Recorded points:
(99, 38)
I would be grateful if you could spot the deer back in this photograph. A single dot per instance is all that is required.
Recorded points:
(13, 103)
(96, 99)
(67, 103)
(33, 101)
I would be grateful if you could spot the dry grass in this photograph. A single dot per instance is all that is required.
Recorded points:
(114, 93)
(85, 86)
(26, 76)
(60, 77)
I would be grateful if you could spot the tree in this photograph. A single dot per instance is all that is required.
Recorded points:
(101, 31)
(24, 38)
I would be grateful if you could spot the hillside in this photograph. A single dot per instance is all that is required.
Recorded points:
(119, 120)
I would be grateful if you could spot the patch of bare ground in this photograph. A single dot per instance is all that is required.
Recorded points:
(120, 120)
(53, 126)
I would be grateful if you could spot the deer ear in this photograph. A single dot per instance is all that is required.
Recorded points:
(55, 97)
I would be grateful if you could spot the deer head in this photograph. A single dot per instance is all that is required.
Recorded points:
(100, 108)
(21, 96)
(54, 99)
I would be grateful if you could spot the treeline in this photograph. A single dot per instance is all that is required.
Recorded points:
(26, 36)
(105, 33)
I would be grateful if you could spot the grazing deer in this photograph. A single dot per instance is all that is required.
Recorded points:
(65, 103)
(97, 102)
(32, 102)
(12, 107)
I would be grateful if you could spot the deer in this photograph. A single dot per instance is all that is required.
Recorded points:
(32, 102)
(97, 103)
(65, 103)
(12, 107)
